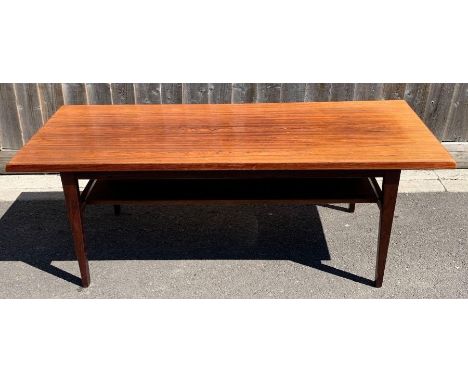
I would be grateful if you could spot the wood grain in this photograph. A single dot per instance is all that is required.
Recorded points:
(244, 93)
(341, 92)
(284, 136)
(219, 93)
(99, 94)
(29, 109)
(74, 94)
(293, 92)
(147, 93)
(416, 96)
(171, 93)
(11, 137)
(268, 93)
(51, 98)
(394, 91)
(456, 128)
(122, 94)
(368, 92)
(437, 108)
(194, 93)
(318, 92)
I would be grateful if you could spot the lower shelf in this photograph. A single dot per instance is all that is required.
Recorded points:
(310, 190)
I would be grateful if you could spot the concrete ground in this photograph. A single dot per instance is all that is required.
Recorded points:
(254, 251)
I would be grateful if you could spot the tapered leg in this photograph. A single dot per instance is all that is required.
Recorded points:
(389, 196)
(116, 209)
(352, 207)
(72, 200)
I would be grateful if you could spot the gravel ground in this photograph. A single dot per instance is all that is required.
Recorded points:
(252, 251)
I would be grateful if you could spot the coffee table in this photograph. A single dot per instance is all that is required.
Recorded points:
(319, 152)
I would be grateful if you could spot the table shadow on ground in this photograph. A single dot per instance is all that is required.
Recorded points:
(35, 230)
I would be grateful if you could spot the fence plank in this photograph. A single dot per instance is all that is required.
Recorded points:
(171, 93)
(341, 92)
(318, 92)
(268, 92)
(243, 93)
(394, 91)
(456, 128)
(219, 93)
(51, 98)
(438, 107)
(194, 93)
(147, 93)
(368, 92)
(11, 137)
(74, 94)
(99, 94)
(416, 96)
(292, 92)
(122, 94)
(29, 109)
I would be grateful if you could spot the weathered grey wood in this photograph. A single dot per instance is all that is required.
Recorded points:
(29, 109)
(74, 94)
(459, 152)
(368, 92)
(171, 93)
(293, 92)
(416, 96)
(99, 94)
(438, 107)
(122, 94)
(194, 93)
(268, 93)
(456, 128)
(51, 98)
(318, 92)
(219, 93)
(11, 136)
(244, 93)
(147, 93)
(394, 91)
(5, 157)
(342, 92)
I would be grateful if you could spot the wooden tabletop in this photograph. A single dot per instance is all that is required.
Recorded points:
(281, 136)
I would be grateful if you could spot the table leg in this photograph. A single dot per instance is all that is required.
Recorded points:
(352, 207)
(72, 200)
(389, 195)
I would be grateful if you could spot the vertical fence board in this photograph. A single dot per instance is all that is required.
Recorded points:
(194, 93)
(243, 93)
(122, 94)
(219, 93)
(394, 91)
(368, 92)
(74, 94)
(457, 124)
(171, 93)
(147, 93)
(51, 98)
(11, 137)
(341, 92)
(99, 94)
(438, 107)
(29, 109)
(416, 96)
(318, 92)
(268, 93)
(292, 92)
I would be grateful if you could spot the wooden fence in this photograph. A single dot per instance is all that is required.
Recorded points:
(24, 108)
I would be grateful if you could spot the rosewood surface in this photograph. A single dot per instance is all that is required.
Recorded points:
(281, 136)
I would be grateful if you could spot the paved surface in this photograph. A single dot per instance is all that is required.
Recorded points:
(235, 252)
